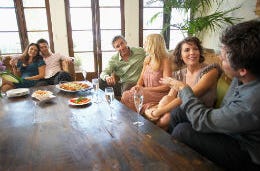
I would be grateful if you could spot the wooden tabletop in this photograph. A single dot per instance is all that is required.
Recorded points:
(57, 136)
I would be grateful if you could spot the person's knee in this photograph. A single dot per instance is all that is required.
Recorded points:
(6, 87)
(41, 83)
(182, 132)
(62, 76)
(164, 121)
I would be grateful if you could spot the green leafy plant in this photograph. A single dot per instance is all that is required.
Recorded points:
(199, 20)
(77, 62)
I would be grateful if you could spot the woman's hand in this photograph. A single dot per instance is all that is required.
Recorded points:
(149, 113)
(173, 83)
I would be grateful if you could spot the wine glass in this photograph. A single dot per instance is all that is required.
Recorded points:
(109, 94)
(95, 83)
(138, 101)
(84, 74)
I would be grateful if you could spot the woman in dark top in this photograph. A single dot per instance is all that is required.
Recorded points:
(30, 67)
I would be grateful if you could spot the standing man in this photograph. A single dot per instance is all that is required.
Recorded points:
(230, 135)
(124, 68)
(53, 72)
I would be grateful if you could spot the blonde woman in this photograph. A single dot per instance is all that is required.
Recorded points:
(156, 65)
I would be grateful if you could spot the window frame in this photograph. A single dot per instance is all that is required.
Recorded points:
(22, 29)
(95, 31)
(166, 21)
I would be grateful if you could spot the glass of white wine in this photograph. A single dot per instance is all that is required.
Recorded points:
(109, 94)
(84, 74)
(138, 101)
(95, 83)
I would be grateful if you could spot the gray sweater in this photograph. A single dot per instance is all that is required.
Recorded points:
(238, 116)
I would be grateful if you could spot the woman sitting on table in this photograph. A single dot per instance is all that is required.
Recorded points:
(156, 65)
(202, 78)
(30, 67)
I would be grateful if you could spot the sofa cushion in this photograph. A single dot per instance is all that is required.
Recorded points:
(222, 87)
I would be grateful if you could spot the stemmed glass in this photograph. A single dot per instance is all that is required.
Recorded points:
(109, 94)
(84, 73)
(138, 101)
(95, 83)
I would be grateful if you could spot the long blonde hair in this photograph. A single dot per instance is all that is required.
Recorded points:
(155, 47)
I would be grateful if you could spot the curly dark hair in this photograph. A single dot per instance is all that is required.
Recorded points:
(242, 42)
(177, 51)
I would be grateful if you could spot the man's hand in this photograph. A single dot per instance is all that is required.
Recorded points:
(110, 80)
(70, 60)
(173, 83)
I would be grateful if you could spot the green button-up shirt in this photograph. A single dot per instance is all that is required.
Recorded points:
(128, 71)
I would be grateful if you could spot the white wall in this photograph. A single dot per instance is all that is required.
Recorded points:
(59, 27)
(132, 22)
(247, 11)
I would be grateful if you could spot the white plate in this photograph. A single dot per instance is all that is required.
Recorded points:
(17, 92)
(43, 95)
(47, 99)
(76, 104)
(58, 87)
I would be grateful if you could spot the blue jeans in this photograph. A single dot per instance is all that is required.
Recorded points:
(222, 149)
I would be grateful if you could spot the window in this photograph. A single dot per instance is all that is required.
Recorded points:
(9, 29)
(28, 21)
(91, 27)
(148, 8)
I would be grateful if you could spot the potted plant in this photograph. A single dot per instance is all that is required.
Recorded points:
(77, 63)
(199, 20)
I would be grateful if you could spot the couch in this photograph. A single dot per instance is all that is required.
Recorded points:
(66, 66)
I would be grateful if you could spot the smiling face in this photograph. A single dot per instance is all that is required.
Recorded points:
(32, 51)
(121, 46)
(44, 48)
(190, 54)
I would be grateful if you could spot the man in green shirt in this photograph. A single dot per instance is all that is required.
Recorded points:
(124, 68)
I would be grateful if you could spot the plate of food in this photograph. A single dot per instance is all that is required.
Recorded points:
(73, 86)
(43, 95)
(17, 92)
(79, 101)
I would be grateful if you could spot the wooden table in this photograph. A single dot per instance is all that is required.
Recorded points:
(56, 136)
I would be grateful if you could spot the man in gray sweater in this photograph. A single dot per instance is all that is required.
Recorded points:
(229, 135)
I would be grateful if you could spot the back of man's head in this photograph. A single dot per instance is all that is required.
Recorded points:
(243, 46)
